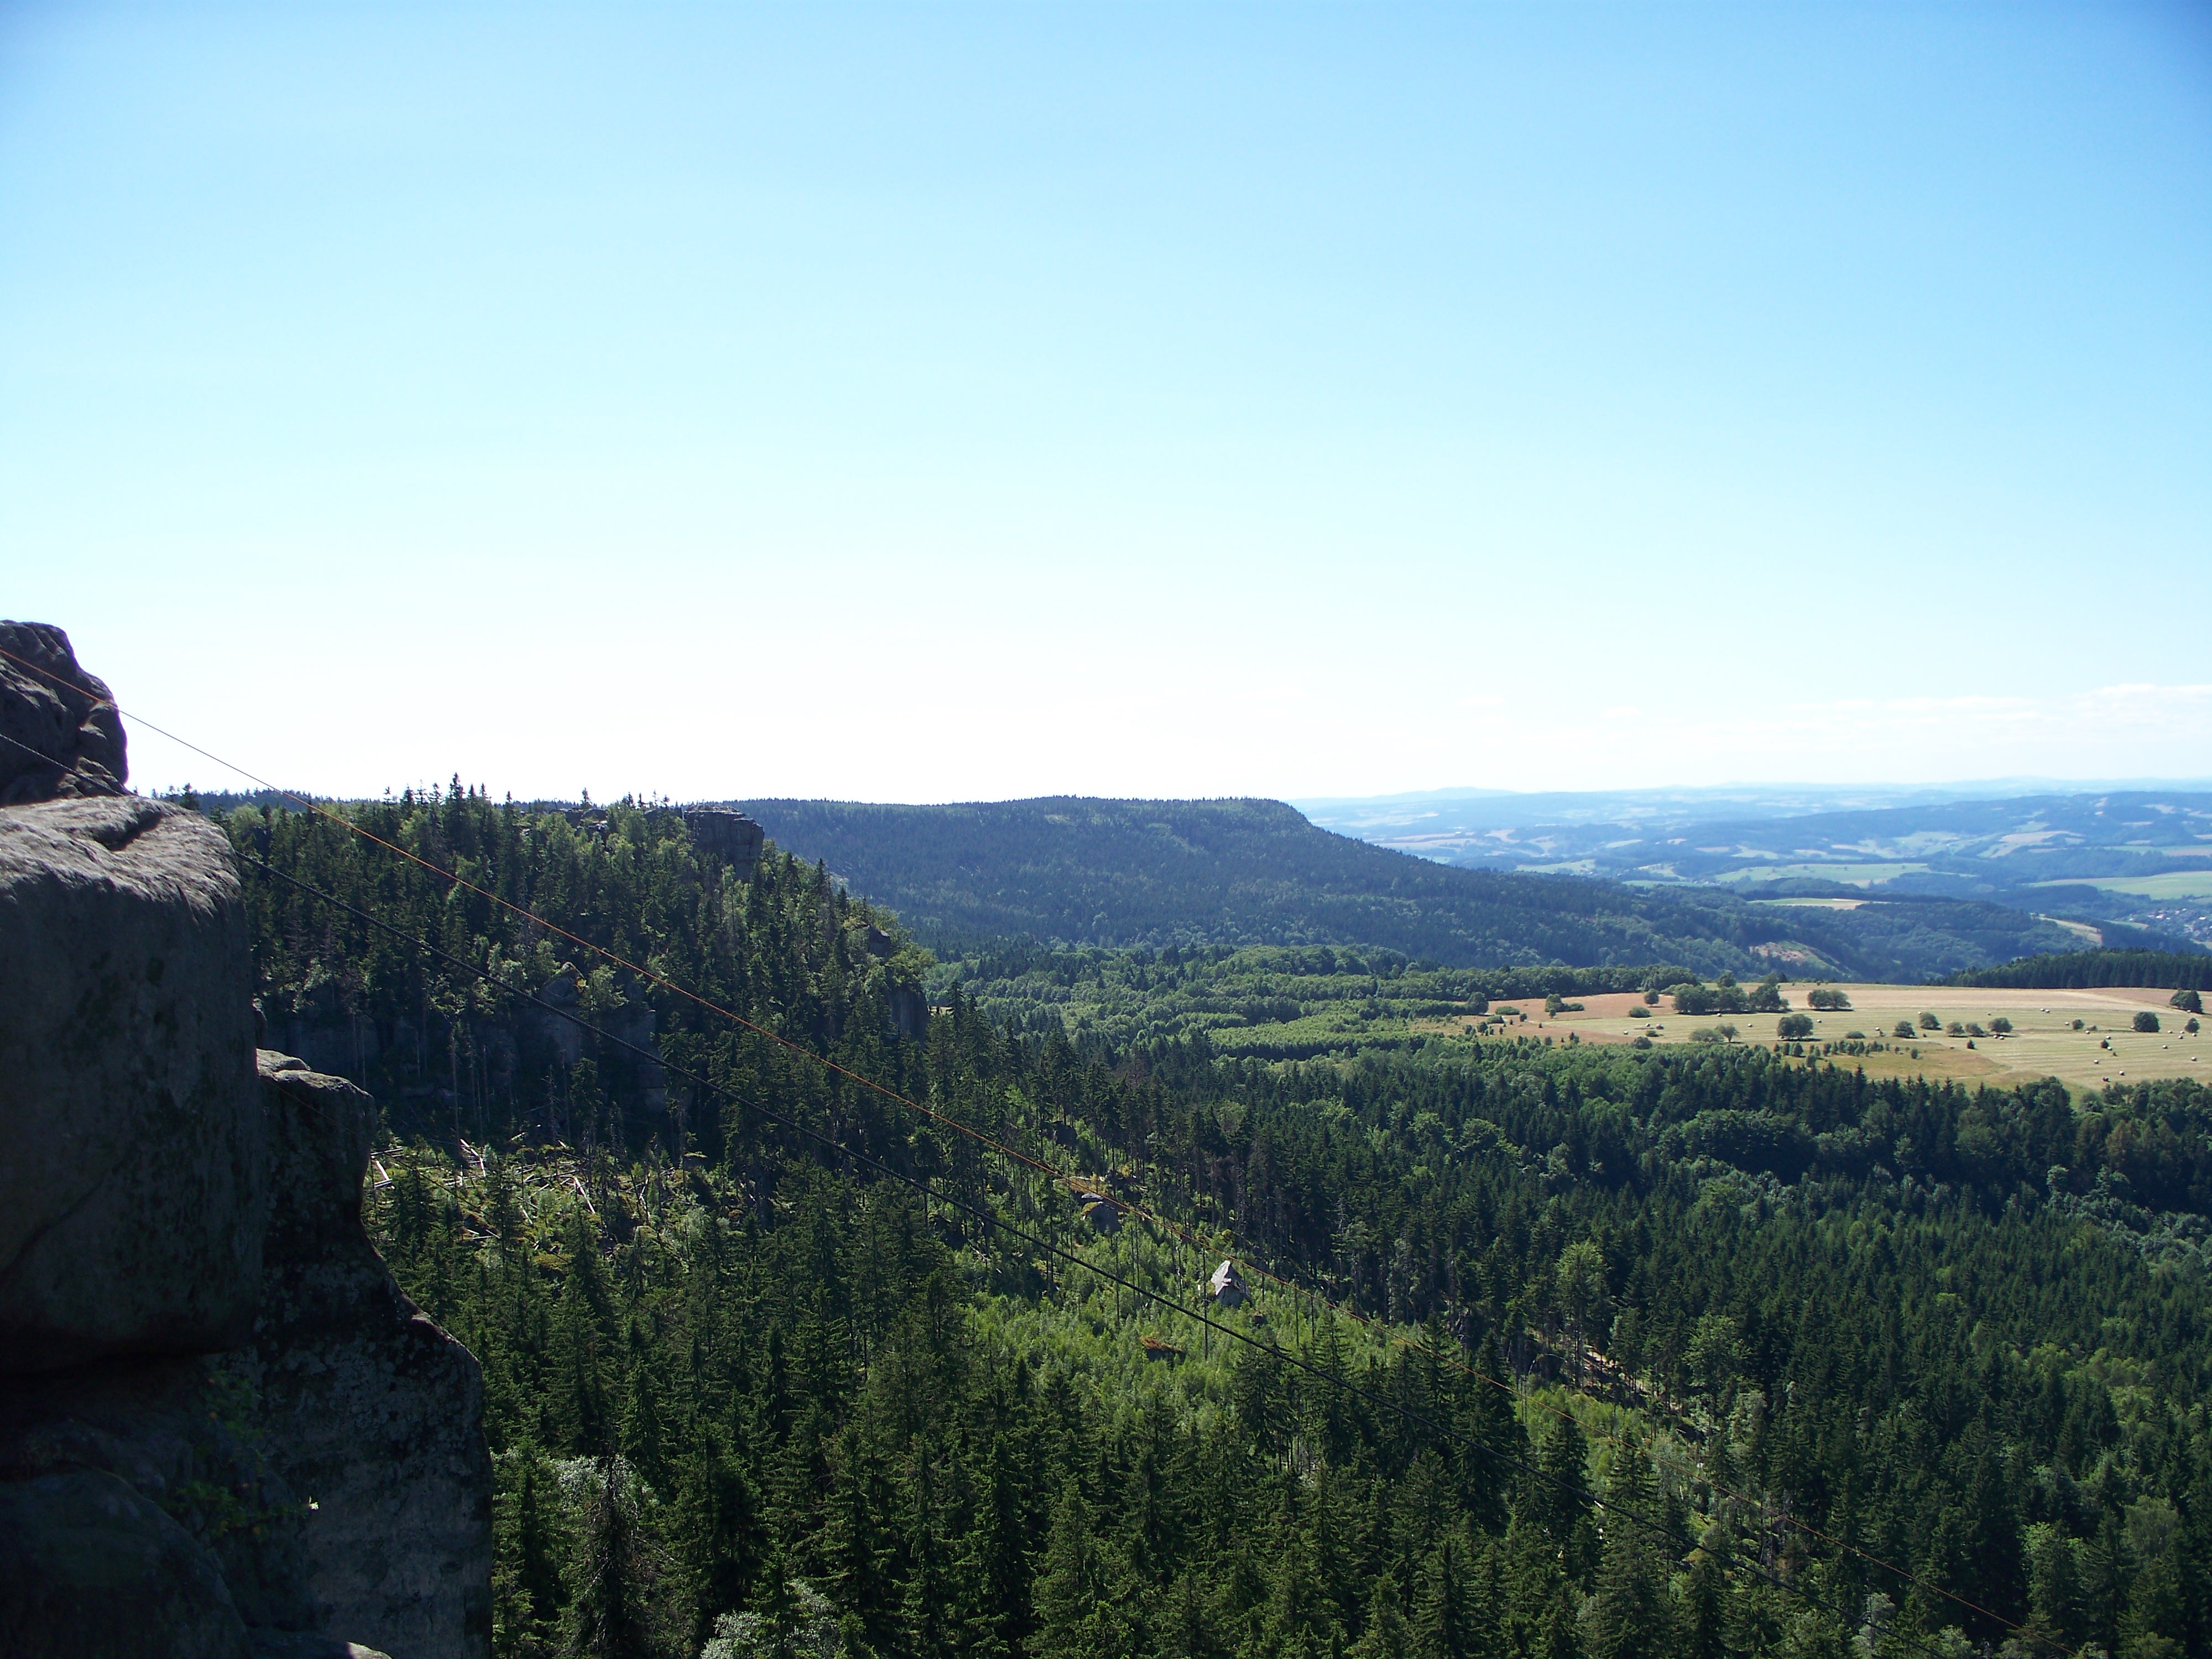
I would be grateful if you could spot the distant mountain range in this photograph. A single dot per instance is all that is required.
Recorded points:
(1078, 871)
(2138, 856)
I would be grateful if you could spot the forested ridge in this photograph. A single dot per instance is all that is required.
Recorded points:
(2077, 970)
(734, 1383)
(1160, 874)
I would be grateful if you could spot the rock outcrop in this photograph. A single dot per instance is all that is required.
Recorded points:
(367, 1407)
(132, 1196)
(725, 833)
(223, 1430)
(66, 737)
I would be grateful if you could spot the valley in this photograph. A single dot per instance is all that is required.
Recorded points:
(960, 1368)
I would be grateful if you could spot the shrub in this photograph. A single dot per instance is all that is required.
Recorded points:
(2191, 1028)
(1639, 1013)
(1930, 1023)
(2001, 1025)
(1955, 1029)
(1791, 1027)
(1652, 998)
(2188, 1001)
(1903, 1027)
(1704, 1034)
(1974, 1028)
(1727, 1032)
(2146, 1021)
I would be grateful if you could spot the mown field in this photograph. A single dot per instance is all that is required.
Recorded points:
(2044, 1041)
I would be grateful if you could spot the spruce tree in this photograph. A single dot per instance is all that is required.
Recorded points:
(611, 1577)
(643, 1439)
(527, 1549)
(718, 1542)
(1387, 1635)
(1446, 1621)
(1629, 1615)
(1078, 1611)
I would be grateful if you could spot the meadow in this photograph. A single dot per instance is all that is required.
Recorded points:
(2043, 1041)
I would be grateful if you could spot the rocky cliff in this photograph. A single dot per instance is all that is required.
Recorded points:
(223, 1430)
(64, 737)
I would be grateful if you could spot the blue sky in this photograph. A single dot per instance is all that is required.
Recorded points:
(935, 403)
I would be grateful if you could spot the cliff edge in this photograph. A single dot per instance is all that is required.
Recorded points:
(223, 1429)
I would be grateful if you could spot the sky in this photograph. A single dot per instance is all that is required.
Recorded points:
(963, 401)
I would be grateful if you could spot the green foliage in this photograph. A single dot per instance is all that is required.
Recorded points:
(2080, 970)
(741, 1393)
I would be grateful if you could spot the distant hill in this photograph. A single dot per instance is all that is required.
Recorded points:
(1077, 871)
(2138, 857)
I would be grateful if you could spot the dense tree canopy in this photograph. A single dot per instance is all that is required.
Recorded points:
(1661, 1352)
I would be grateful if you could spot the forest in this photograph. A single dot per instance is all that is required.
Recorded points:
(1181, 874)
(1541, 1350)
(2077, 970)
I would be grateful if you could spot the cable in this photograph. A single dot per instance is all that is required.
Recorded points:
(988, 1141)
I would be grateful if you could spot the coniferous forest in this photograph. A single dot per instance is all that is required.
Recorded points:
(1655, 1353)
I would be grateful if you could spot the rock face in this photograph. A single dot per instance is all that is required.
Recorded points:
(132, 1192)
(910, 1013)
(367, 1407)
(223, 1430)
(50, 705)
(725, 833)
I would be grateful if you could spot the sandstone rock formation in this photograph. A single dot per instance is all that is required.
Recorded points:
(367, 1407)
(725, 833)
(223, 1430)
(67, 738)
(131, 1188)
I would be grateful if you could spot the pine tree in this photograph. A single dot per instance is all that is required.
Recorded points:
(1487, 1419)
(1446, 1621)
(1704, 1613)
(1078, 1601)
(1299, 1622)
(1533, 1579)
(717, 1531)
(610, 1615)
(1388, 1636)
(1559, 1500)
(928, 1620)
(641, 1435)
(857, 1541)
(527, 1552)
(1628, 1617)
(1184, 1623)
(991, 1566)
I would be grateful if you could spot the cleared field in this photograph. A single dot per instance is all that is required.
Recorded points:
(2167, 884)
(1849, 875)
(2044, 1042)
(1813, 903)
